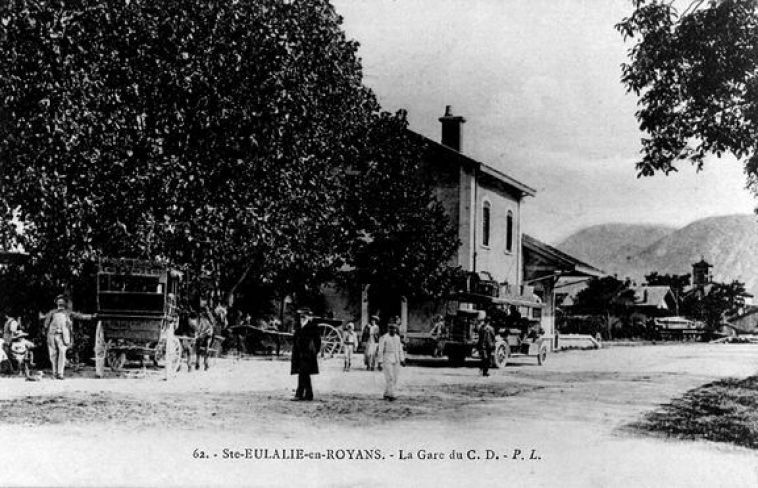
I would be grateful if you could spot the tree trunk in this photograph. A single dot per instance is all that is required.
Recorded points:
(609, 325)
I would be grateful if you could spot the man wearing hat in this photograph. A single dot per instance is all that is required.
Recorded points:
(372, 343)
(21, 354)
(306, 344)
(58, 326)
(486, 343)
(390, 356)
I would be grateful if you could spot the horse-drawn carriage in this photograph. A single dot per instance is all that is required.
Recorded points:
(137, 313)
(268, 338)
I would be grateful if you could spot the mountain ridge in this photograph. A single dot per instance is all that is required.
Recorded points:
(728, 242)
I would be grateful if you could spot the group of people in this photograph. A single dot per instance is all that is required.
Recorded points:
(58, 332)
(384, 352)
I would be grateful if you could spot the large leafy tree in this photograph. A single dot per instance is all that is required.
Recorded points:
(694, 66)
(404, 237)
(219, 135)
(209, 133)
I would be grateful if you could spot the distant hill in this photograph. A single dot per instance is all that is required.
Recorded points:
(607, 245)
(728, 242)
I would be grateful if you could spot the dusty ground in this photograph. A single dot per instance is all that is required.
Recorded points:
(571, 416)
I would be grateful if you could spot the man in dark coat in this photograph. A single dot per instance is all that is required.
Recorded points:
(486, 345)
(306, 344)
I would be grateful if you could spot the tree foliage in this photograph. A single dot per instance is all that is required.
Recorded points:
(714, 304)
(676, 282)
(211, 134)
(405, 237)
(695, 70)
(600, 296)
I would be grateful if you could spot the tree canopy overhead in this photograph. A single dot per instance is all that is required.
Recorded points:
(694, 66)
(214, 134)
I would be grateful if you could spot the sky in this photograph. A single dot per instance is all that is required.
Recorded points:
(538, 84)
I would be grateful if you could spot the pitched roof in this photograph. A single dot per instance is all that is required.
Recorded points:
(652, 296)
(565, 264)
(485, 168)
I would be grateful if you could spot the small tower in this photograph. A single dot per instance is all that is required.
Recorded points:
(701, 273)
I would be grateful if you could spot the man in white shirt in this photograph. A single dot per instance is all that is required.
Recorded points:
(390, 356)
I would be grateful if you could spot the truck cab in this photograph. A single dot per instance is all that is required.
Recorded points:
(516, 320)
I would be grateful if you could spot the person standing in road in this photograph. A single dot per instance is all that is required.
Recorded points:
(485, 345)
(58, 328)
(350, 341)
(390, 356)
(372, 343)
(306, 344)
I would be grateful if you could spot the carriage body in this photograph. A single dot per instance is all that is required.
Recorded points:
(137, 310)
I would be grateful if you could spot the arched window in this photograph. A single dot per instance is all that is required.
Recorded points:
(509, 232)
(486, 224)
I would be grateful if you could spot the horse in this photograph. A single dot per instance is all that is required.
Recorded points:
(197, 332)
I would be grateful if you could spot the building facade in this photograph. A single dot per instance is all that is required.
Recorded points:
(485, 205)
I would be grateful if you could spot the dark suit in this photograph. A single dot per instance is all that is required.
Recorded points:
(306, 344)
(486, 345)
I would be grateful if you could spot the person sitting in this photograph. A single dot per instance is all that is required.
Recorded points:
(22, 355)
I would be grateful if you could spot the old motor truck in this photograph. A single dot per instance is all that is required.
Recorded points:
(515, 336)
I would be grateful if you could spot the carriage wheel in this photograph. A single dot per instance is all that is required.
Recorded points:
(331, 340)
(116, 360)
(176, 357)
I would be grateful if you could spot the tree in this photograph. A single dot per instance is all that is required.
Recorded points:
(211, 134)
(404, 237)
(713, 305)
(606, 296)
(695, 71)
(674, 281)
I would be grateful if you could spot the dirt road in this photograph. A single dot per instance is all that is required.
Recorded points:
(562, 424)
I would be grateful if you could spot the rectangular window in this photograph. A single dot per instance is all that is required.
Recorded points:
(486, 225)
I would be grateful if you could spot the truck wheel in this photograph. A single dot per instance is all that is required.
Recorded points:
(500, 357)
(542, 356)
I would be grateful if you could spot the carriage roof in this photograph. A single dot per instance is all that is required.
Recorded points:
(128, 266)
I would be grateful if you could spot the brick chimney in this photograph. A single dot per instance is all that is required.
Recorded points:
(451, 129)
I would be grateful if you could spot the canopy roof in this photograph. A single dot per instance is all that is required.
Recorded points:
(544, 261)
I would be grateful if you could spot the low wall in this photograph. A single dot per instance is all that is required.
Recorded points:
(577, 341)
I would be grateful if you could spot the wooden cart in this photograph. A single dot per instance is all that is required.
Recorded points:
(137, 314)
(331, 336)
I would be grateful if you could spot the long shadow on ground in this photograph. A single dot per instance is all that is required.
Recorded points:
(227, 410)
(722, 411)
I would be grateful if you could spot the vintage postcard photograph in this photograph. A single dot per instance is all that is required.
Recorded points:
(379, 243)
